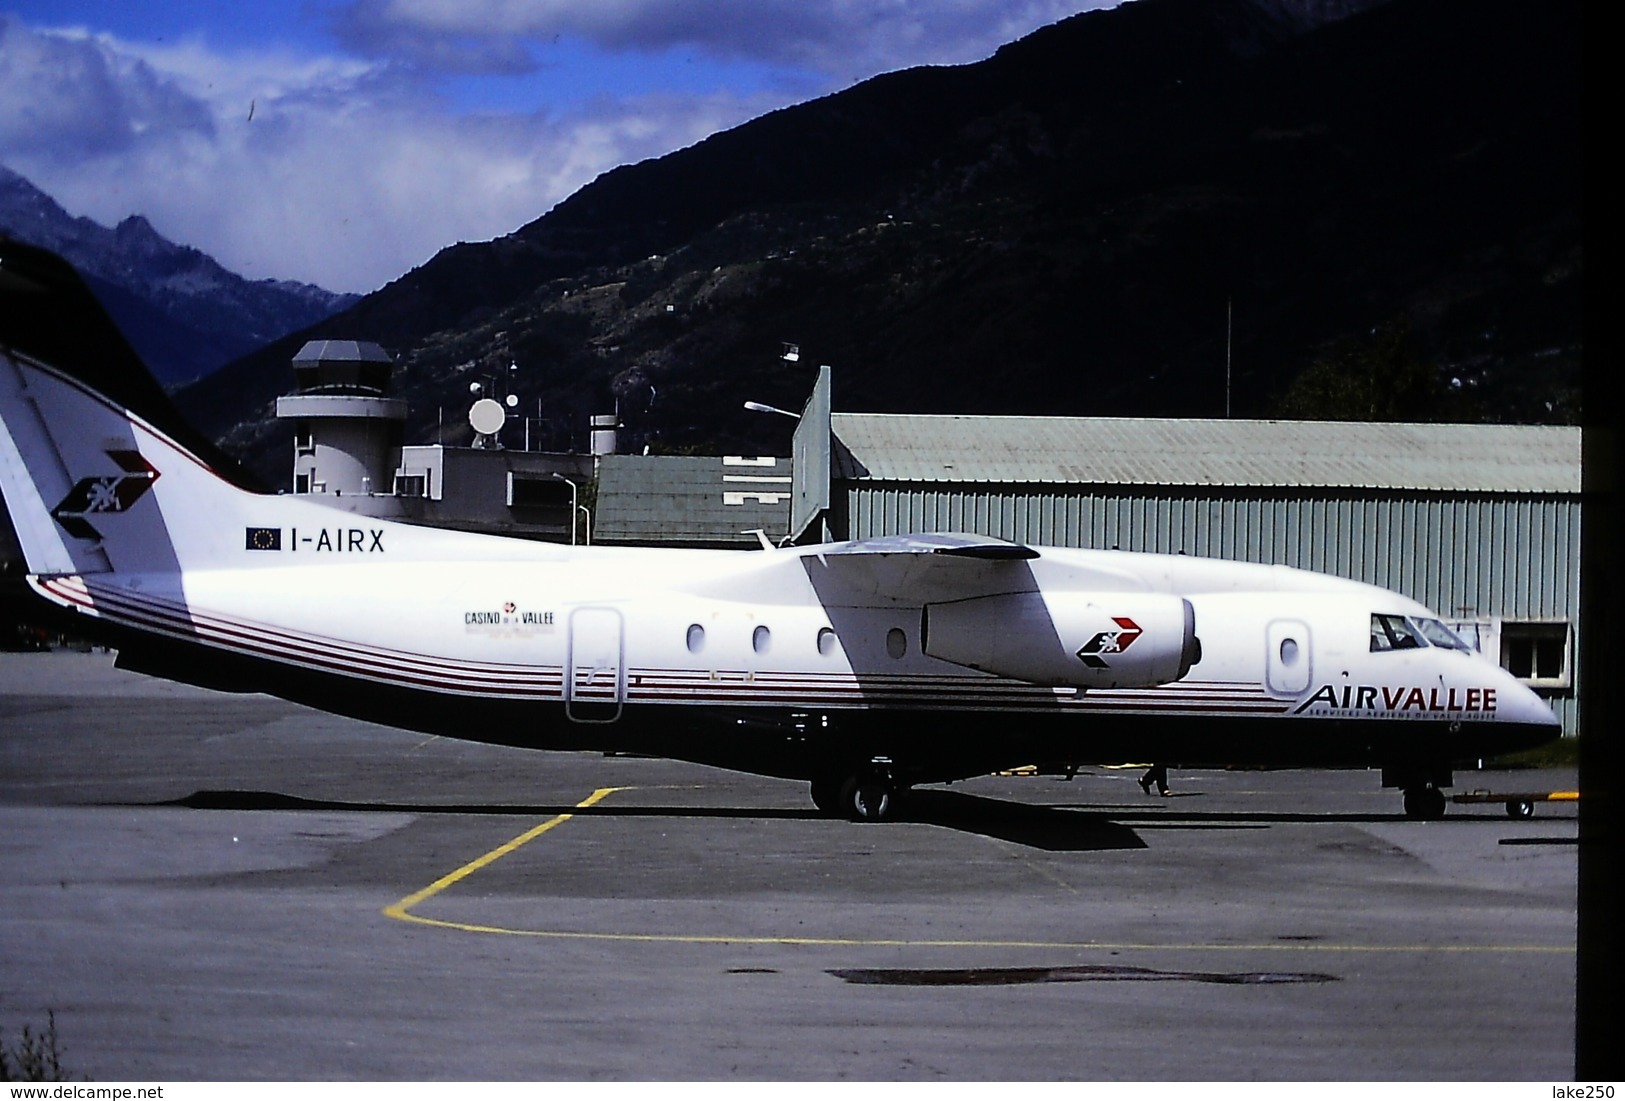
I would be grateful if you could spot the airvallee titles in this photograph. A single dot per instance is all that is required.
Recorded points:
(863, 667)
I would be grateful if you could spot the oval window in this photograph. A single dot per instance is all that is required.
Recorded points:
(896, 642)
(761, 640)
(1289, 651)
(826, 641)
(696, 638)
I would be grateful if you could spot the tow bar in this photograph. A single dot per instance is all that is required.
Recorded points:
(1519, 804)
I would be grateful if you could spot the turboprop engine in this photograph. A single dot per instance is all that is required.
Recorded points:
(1087, 640)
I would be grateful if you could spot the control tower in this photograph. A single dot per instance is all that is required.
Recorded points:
(347, 434)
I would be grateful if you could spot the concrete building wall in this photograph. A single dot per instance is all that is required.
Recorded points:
(347, 457)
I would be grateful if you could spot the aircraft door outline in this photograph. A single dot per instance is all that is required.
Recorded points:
(1288, 660)
(595, 666)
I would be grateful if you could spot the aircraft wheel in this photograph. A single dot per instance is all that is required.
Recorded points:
(1424, 803)
(867, 798)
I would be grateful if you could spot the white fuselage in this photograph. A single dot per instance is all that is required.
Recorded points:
(631, 627)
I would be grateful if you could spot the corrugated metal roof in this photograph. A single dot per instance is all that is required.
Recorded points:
(1238, 453)
(706, 500)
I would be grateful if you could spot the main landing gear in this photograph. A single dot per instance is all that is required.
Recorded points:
(865, 795)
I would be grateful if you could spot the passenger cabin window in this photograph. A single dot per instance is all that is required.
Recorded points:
(826, 641)
(761, 640)
(696, 638)
(896, 643)
(1393, 632)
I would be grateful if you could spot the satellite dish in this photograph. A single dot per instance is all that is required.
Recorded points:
(487, 416)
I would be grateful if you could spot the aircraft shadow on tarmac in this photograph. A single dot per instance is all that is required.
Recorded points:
(1055, 827)
(1034, 826)
(1039, 827)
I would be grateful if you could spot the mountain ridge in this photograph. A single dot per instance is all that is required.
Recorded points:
(1069, 226)
(183, 311)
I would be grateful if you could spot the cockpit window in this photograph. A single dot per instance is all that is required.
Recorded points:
(1393, 632)
(1439, 635)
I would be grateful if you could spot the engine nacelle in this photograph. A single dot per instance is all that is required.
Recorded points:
(1089, 640)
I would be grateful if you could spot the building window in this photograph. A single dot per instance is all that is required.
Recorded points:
(411, 485)
(304, 440)
(537, 491)
(301, 483)
(1537, 653)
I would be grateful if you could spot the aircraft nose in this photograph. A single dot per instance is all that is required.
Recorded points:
(1518, 703)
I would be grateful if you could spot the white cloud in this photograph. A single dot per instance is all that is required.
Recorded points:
(66, 90)
(843, 39)
(344, 175)
(349, 169)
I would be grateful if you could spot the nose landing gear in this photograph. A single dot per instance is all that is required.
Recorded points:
(1420, 784)
(1425, 803)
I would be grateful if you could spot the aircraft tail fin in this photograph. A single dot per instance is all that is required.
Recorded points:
(98, 471)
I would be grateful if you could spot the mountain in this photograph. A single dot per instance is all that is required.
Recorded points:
(182, 311)
(1109, 217)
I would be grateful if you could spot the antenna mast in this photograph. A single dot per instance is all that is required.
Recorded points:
(1227, 331)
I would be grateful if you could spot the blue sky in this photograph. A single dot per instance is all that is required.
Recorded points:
(344, 142)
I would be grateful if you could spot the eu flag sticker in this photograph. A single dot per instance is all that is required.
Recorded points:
(264, 539)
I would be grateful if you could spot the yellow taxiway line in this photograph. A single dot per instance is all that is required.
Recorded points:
(401, 911)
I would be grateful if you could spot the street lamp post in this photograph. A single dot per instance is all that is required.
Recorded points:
(573, 506)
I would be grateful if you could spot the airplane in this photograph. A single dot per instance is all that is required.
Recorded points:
(864, 668)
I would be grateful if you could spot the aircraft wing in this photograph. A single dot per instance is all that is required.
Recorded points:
(983, 606)
(918, 568)
(950, 543)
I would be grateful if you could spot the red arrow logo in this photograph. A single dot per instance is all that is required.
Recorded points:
(1109, 642)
